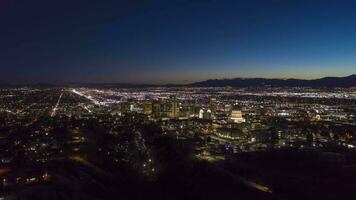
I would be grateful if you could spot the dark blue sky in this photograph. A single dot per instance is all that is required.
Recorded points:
(175, 41)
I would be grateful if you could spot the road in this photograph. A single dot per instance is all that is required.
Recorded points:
(54, 111)
(87, 164)
(87, 97)
(4, 171)
(255, 185)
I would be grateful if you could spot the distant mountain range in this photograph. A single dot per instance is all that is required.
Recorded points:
(328, 82)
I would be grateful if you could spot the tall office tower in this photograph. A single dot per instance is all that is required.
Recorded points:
(191, 108)
(166, 108)
(213, 105)
(236, 116)
(125, 107)
(204, 114)
(201, 114)
(156, 110)
(174, 107)
(147, 107)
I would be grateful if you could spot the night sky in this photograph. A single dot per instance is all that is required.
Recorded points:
(174, 41)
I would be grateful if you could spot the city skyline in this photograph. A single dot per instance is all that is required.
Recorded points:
(181, 42)
(177, 143)
(177, 99)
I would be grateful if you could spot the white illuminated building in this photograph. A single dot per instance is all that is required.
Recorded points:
(236, 116)
(201, 113)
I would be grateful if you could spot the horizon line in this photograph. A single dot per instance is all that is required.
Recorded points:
(163, 84)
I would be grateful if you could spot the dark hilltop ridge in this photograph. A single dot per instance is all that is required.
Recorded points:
(326, 82)
(330, 82)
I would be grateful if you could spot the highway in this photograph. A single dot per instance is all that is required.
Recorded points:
(4, 171)
(87, 164)
(54, 111)
(255, 185)
(87, 97)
